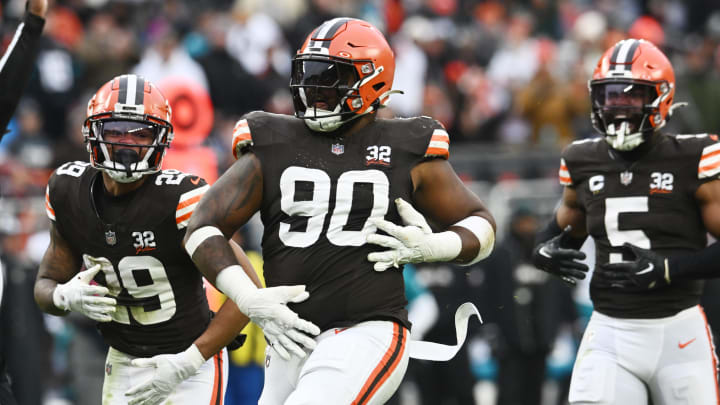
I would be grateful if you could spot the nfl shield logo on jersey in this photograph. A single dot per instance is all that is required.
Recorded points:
(110, 238)
(626, 178)
(338, 149)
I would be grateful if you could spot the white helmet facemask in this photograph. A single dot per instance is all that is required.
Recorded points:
(621, 110)
(621, 137)
(131, 170)
(322, 120)
(122, 161)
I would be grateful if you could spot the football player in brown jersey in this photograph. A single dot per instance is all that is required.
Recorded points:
(124, 219)
(637, 185)
(323, 182)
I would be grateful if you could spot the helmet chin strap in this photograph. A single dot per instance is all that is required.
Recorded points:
(620, 137)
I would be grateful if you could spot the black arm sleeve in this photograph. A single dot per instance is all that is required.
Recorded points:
(551, 230)
(16, 65)
(695, 266)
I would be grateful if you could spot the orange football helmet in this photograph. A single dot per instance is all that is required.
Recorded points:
(344, 70)
(631, 92)
(132, 105)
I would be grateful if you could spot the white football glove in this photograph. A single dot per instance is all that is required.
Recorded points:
(282, 327)
(170, 370)
(79, 296)
(413, 243)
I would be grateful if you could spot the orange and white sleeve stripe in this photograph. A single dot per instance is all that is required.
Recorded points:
(187, 204)
(564, 174)
(48, 207)
(439, 144)
(709, 165)
(241, 137)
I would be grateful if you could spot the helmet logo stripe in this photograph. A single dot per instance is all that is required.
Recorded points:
(122, 94)
(131, 89)
(140, 91)
(327, 31)
(623, 55)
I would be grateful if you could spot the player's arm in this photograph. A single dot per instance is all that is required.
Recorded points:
(665, 270)
(172, 369)
(227, 205)
(559, 243)
(467, 228)
(59, 287)
(16, 64)
(228, 321)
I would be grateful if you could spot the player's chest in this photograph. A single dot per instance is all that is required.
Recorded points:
(657, 184)
(117, 242)
(139, 231)
(638, 198)
(335, 170)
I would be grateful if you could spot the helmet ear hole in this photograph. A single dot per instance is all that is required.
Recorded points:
(378, 86)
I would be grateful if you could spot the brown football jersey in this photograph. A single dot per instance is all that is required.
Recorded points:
(649, 202)
(319, 193)
(162, 307)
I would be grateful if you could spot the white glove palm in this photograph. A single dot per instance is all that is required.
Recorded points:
(413, 243)
(79, 296)
(170, 370)
(282, 327)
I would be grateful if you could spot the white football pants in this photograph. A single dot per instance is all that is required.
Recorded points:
(360, 365)
(625, 361)
(207, 386)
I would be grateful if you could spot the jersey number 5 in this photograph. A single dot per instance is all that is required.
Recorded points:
(613, 208)
(318, 207)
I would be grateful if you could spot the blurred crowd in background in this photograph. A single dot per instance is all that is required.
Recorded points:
(508, 79)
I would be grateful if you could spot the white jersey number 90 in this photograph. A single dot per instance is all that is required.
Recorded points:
(317, 209)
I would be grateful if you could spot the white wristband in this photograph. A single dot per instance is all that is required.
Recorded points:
(194, 356)
(233, 282)
(444, 246)
(483, 231)
(199, 236)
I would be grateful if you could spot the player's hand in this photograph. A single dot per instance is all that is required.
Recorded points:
(554, 259)
(79, 296)
(38, 7)
(283, 328)
(170, 370)
(413, 243)
(648, 270)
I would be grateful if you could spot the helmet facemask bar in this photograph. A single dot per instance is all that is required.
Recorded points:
(325, 91)
(622, 110)
(120, 159)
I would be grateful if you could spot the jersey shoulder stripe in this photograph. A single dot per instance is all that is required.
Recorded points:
(241, 137)
(709, 165)
(48, 207)
(186, 205)
(439, 145)
(564, 174)
(574, 155)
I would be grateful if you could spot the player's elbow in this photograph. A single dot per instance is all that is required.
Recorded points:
(485, 214)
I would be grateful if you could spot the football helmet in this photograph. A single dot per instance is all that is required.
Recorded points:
(631, 92)
(344, 70)
(127, 104)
